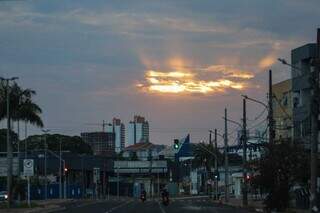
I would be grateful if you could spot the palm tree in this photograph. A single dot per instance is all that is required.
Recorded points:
(204, 156)
(23, 108)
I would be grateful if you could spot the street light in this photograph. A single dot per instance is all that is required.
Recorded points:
(232, 121)
(255, 100)
(216, 160)
(284, 62)
(45, 131)
(9, 147)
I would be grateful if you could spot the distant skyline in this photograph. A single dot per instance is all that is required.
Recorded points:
(177, 63)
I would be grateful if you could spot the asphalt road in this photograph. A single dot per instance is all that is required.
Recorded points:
(187, 205)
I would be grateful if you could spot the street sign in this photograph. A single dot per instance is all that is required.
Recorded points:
(96, 175)
(28, 167)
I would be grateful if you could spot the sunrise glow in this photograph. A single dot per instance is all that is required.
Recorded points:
(186, 82)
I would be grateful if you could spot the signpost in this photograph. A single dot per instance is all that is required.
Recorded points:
(28, 170)
(96, 179)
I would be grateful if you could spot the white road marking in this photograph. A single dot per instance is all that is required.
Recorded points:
(119, 206)
(162, 210)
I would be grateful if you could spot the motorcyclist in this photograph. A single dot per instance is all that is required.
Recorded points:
(143, 195)
(165, 196)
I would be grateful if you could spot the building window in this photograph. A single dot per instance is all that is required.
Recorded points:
(285, 99)
(297, 129)
(306, 127)
(296, 99)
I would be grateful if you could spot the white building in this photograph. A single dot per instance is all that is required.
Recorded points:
(118, 129)
(138, 131)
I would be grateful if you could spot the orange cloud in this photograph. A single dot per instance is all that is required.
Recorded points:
(230, 71)
(186, 82)
(267, 61)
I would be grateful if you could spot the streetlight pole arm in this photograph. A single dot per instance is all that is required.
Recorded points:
(232, 121)
(254, 100)
(284, 62)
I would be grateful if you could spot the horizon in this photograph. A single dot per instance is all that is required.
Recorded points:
(178, 64)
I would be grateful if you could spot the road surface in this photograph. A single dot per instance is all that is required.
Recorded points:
(185, 205)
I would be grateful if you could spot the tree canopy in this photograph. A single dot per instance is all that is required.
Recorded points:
(22, 106)
(281, 167)
(73, 144)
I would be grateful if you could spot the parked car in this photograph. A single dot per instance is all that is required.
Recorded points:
(3, 196)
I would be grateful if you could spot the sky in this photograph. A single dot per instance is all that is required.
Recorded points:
(178, 63)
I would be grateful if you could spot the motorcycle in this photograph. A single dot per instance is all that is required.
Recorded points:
(143, 198)
(165, 200)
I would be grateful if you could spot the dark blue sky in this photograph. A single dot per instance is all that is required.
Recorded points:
(85, 58)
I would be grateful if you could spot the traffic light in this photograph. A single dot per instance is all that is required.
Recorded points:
(216, 175)
(176, 144)
(65, 170)
(248, 177)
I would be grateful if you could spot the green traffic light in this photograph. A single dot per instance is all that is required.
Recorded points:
(176, 146)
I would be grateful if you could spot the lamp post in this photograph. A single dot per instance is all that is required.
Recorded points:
(244, 153)
(9, 145)
(45, 131)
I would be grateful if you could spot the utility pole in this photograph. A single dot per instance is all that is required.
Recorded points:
(25, 140)
(216, 162)
(60, 172)
(315, 128)
(9, 145)
(226, 163)
(45, 131)
(150, 174)
(244, 147)
(213, 159)
(118, 179)
(270, 113)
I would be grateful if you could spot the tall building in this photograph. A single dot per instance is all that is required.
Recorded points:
(282, 110)
(138, 130)
(102, 143)
(118, 129)
(301, 91)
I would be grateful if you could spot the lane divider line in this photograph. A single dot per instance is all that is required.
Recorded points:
(119, 206)
(162, 210)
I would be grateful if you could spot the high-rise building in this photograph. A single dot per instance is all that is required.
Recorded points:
(118, 129)
(282, 110)
(102, 143)
(138, 131)
(301, 58)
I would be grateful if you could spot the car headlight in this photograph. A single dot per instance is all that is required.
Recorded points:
(5, 196)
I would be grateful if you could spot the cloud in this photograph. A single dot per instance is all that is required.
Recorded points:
(185, 82)
(230, 71)
(267, 61)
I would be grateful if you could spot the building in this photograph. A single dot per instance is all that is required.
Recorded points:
(76, 179)
(118, 129)
(142, 151)
(102, 143)
(301, 91)
(282, 110)
(138, 130)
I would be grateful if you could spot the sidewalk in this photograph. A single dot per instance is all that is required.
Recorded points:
(41, 206)
(235, 202)
(256, 205)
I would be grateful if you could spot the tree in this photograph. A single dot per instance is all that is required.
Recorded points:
(3, 139)
(22, 107)
(203, 156)
(73, 144)
(281, 167)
